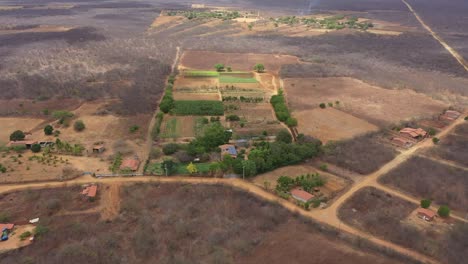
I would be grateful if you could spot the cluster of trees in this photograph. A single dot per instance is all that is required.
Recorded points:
(242, 99)
(307, 182)
(167, 102)
(17, 135)
(214, 135)
(64, 147)
(281, 109)
(223, 15)
(333, 22)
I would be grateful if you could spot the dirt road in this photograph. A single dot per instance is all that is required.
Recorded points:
(454, 53)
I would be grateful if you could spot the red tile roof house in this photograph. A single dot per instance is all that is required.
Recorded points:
(130, 164)
(450, 115)
(228, 150)
(9, 227)
(426, 214)
(301, 195)
(26, 143)
(90, 192)
(401, 142)
(413, 132)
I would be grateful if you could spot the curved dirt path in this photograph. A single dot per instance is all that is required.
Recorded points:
(453, 52)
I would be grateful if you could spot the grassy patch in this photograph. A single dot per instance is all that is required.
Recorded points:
(179, 168)
(199, 127)
(170, 130)
(201, 74)
(231, 79)
(199, 107)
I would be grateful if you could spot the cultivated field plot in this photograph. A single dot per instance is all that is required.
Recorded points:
(383, 215)
(452, 148)
(331, 124)
(238, 61)
(428, 179)
(158, 223)
(178, 126)
(332, 186)
(201, 84)
(363, 154)
(11, 124)
(374, 104)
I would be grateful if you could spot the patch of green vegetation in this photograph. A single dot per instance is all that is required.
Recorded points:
(170, 131)
(199, 127)
(178, 168)
(198, 107)
(231, 79)
(193, 14)
(157, 125)
(334, 22)
(281, 110)
(201, 74)
(116, 163)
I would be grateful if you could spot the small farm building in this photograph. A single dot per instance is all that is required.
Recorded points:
(401, 142)
(450, 115)
(301, 195)
(413, 132)
(98, 149)
(426, 214)
(130, 164)
(90, 191)
(25, 143)
(228, 150)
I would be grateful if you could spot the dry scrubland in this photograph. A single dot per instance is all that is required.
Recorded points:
(453, 148)
(159, 223)
(429, 179)
(374, 104)
(363, 154)
(385, 216)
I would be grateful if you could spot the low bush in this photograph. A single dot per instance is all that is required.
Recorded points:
(426, 203)
(79, 126)
(170, 148)
(444, 211)
(232, 118)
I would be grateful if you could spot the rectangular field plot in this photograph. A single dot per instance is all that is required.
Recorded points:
(331, 124)
(198, 108)
(232, 79)
(200, 84)
(376, 105)
(200, 74)
(178, 126)
(429, 179)
(196, 96)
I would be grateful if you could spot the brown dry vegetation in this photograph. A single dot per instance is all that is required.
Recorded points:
(383, 215)
(377, 105)
(9, 124)
(363, 154)
(428, 179)
(453, 148)
(331, 124)
(238, 61)
(161, 223)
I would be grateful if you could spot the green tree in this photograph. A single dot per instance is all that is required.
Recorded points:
(284, 183)
(291, 122)
(425, 203)
(284, 136)
(48, 130)
(219, 67)
(17, 135)
(259, 67)
(79, 126)
(36, 148)
(444, 211)
(250, 168)
(229, 69)
(435, 140)
(192, 168)
(432, 132)
(167, 166)
(323, 105)
(170, 148)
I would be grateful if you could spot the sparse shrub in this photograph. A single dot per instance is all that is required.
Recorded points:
(219, 67)
(155, 153)
(291, 122)
(435, 140)
(324, 167)
(170, 148)
(40, 231)
(330, 104)
(259, 67)
(322, 105)
(4, 217)
(232, 118)
(426, 203)
(444, 211)
(48, 130)
(25, 235)
(36, 148)
(134, 129)
(79, 126)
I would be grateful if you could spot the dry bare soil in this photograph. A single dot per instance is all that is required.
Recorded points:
(374, 104)
(174, 223)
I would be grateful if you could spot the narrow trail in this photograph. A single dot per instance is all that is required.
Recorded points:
(454, 53)
(149, 139)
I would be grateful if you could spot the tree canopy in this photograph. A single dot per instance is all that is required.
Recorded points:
(17, 135)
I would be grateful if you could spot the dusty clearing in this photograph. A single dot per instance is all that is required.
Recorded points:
(374, 104)
(166, 21)
(14, 240)
(199, 83)
(332, 187)
(238, 61)
(10, 124)
(331, 124)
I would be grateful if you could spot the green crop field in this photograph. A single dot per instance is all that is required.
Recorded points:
(230, 79)
(210, 108)
(179, 168)
(170, 129)
(201, 74)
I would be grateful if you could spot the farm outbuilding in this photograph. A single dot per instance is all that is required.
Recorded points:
(90, 191)
(98, 149)
(413, 132)
(8, 227)
(301, 195)
(402, 142)
(228, 150)
(450, 115)
(426, 214)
